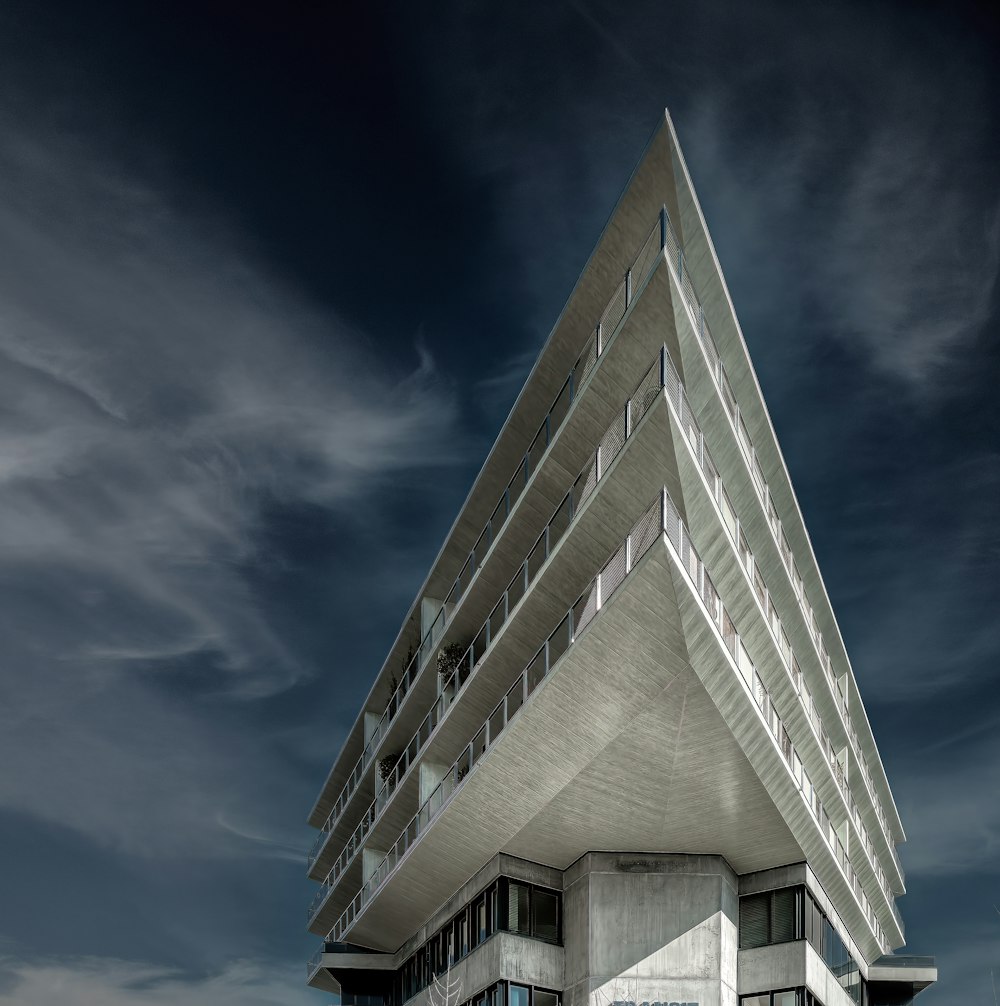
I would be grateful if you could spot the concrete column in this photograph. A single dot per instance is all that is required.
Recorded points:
(430, 775)
(429, 608)
(371, 722)
(370, 858)
(650, 928)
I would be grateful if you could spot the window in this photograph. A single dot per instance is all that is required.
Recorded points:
(784, 916)
(754, 925)
(545, 915)
(518, 995)
(479, 931)
(492, 923)
(770, 917)
(518, 920)
(543, 998)
(789, 913)
(504, 905)
(787, 997)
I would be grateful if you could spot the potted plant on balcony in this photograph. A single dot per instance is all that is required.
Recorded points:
(449, 658)
(386, 765)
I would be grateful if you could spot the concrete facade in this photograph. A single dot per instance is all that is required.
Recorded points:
(649, 662)
(650, 928)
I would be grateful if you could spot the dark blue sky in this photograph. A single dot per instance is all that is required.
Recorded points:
(269, 281)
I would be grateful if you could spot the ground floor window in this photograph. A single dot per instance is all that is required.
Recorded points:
(784, 997)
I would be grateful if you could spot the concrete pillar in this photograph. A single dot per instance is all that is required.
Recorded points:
(650, 928)
(430, 775)
(370, 858)
(429, 608)
(371, 722)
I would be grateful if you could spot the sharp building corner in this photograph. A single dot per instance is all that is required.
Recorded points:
(617, 754)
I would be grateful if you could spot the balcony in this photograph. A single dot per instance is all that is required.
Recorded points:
(738, 554)
(453, 685)
(597, 342)
(724, 392)
(646, 531)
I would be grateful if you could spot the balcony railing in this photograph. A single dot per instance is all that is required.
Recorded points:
(610, 446)
(610, 319)
(597, 594)
(675, 258)
(678, 536)
(688, 424)
(314, 962)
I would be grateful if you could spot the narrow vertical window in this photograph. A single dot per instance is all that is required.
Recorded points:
(545, 915)
(783, 915)
(754, 921)
(492, 898)
(518, 901)
(479, 922)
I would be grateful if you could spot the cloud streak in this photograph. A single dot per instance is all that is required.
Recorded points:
(162, 395)
(92, 981)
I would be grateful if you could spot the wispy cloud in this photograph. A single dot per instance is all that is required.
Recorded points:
(162, 392)
(873, 232)
(952, 822)
(913, 254)
(93, 981)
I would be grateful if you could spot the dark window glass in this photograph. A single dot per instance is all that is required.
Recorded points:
(545, 915)
(464, 929)
(783, 915)
(754, 921)
(491, 910)
(479, 919)
(518, 900)
(829, 946)
(546, 998)
(814, 924)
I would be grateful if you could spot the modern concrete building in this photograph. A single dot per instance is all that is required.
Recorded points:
(617, 752)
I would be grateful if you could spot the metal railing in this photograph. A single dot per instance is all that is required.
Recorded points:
(676, 259)
(597, 594)
(680, 539)
(314, 962)
(609, 447)
(688, 424)
(611, 317)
